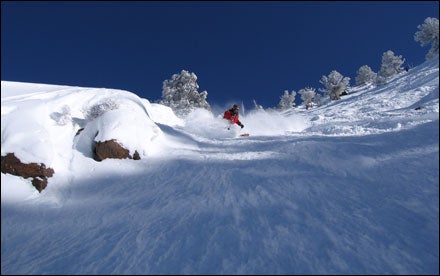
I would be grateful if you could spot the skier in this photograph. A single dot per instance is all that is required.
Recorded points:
(232, 116)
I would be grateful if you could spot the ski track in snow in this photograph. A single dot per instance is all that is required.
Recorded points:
(263, 211)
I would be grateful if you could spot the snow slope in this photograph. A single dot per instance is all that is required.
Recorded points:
(350, 187)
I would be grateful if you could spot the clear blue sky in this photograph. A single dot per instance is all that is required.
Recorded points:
(239, 50)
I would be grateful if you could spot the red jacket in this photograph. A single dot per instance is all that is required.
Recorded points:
(233, 118)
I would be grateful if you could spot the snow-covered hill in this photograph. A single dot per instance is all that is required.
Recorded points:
(350, 187)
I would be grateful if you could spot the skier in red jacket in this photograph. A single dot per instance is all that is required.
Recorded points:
(232, 116)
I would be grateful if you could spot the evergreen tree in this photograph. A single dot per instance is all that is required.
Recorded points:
(287, 100)
(334, 84)
(365, 75)
(180, 93)
(391, 65)
(307, 95)
(428, 34)
(94, 111)
(317, 100)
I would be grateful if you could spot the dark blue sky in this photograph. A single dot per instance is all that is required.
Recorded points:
(239, 50)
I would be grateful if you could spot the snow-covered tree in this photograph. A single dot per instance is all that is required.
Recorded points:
(287, 100)
(307, 95)
(94, 111)
(365, 75)
(180, 93)
(391, 65)
(317, 100)
(428, 34)
(334, 84)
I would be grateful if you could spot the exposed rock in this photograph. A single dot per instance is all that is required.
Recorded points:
(38, 172)
(112, 149)
(136, 155)
(39, 183)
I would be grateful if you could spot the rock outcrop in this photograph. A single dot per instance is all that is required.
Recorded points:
(38, 172)
(112, 149)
